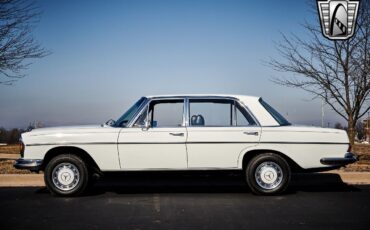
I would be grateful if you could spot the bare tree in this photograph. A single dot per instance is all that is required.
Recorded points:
(17, 18)
(360, 131)
(10, 136)
(337, 71)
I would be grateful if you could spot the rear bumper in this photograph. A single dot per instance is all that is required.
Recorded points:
(348, 158)
(30, 164)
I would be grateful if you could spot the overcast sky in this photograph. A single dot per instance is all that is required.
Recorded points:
(107, 54)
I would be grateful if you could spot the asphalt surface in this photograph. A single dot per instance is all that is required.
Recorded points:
(178, 201)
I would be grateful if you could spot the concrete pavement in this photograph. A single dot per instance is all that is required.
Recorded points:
(154, 202)
(6, 156)
(21, 180)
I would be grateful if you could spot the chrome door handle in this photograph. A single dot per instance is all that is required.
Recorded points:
(177, 134)
(251, 133)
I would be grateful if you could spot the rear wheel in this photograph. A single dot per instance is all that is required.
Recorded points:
(268, 174)
(66, 175)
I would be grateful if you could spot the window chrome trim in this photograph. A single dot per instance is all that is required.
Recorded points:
(187, 112)
(234, 118)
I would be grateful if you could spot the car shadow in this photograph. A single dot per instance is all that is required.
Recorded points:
(319, 182)
(174, 182)
(209, 182)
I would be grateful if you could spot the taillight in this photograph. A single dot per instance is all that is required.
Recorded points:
(349, 148)
(21, 148)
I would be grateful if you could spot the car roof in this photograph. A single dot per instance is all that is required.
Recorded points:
(241, 97)
(252, 102)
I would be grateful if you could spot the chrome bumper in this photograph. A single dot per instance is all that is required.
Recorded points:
(30, 164)
(348, 158)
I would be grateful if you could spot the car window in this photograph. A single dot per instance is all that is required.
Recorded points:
(141, 120)
(242, 116)
(129, 114)
(162, 113)
(275, 114)
(168, 113)
(218, 113)
(210, 113)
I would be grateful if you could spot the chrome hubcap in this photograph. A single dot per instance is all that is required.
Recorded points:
(268, 175)
(66, 176)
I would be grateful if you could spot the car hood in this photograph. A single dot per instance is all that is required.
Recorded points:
(72, 129)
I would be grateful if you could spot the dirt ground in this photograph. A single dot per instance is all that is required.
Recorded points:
(363, 153)
(9, 149)
(6, 167)
(8, 155)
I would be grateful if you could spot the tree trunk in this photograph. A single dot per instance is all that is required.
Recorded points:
(351, 130)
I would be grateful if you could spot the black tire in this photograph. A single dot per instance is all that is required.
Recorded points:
(269, 166)
(66, 166)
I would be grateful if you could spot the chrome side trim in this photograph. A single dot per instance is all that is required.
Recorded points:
(194, 142)
(309, 143)
(74, 143)
(172, 169)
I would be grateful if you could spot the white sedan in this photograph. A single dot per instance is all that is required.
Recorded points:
(185, 132)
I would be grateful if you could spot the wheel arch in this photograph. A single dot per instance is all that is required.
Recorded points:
(56, 151)
(249, 155)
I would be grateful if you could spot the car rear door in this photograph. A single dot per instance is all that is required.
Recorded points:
(219, 131)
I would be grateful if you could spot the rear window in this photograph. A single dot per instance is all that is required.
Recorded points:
(275, 114)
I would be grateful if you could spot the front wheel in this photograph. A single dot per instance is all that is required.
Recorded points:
(268, 174)
(66, 175)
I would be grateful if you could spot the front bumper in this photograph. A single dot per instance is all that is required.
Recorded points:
(348, 158)
(30, 164)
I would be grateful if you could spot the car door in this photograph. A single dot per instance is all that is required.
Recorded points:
(219, 131)
(157, 138)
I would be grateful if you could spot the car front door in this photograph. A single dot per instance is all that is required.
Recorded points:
(159, 145)
(219, 131)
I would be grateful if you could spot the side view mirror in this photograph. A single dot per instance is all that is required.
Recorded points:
(110, 122)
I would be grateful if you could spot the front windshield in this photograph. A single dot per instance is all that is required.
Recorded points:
(126, 117)
(275, 114)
